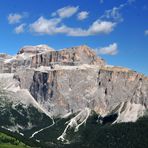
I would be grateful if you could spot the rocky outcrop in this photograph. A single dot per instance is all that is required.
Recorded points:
(35, 49)
(70, 56)
(72, 79)
(41, 55)
(4, 57)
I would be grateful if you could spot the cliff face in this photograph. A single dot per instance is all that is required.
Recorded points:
(70, 56)
(104, 90)
(36, 56)
(73, 79)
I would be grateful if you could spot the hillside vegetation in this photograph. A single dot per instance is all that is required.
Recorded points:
(10, 142)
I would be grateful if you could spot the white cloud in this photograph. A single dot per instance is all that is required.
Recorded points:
(101, 27)
(14, 18)
(97, 27)
(112, 49)
(45, 26)
(66, 12)
(146, 32)
(82, 15)
(19, 29)
(114, 14)
(54, 26)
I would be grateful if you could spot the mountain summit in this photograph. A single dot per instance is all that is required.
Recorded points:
(69, 83)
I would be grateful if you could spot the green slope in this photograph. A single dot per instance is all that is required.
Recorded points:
(91, 135)
(10, 142)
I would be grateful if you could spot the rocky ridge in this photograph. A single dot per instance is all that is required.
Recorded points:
(73, 80)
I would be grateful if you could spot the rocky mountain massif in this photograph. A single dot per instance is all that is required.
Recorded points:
(42, 90)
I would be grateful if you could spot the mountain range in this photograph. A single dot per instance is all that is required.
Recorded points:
(50, 98)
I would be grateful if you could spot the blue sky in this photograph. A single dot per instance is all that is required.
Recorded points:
(116, 29)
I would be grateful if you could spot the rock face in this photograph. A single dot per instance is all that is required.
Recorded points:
(70, 80)
(3, 57)
(42, 55)
(103, 90)
(35, 49)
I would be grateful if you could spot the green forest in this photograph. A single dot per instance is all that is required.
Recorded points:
(122, 135)
(90, 135)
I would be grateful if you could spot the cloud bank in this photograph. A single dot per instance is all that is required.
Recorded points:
(54, 26)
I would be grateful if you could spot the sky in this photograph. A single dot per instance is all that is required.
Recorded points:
(116, 29)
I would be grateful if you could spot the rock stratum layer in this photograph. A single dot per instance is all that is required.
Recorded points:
(70, 81)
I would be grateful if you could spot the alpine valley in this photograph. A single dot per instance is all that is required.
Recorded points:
(71, 98)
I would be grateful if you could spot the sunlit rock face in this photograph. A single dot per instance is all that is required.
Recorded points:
(42, 55)
(72, 79)
(35, 49)
(70, 56)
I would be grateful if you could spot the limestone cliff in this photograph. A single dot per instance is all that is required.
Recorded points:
(72, 79)
(36, 56)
